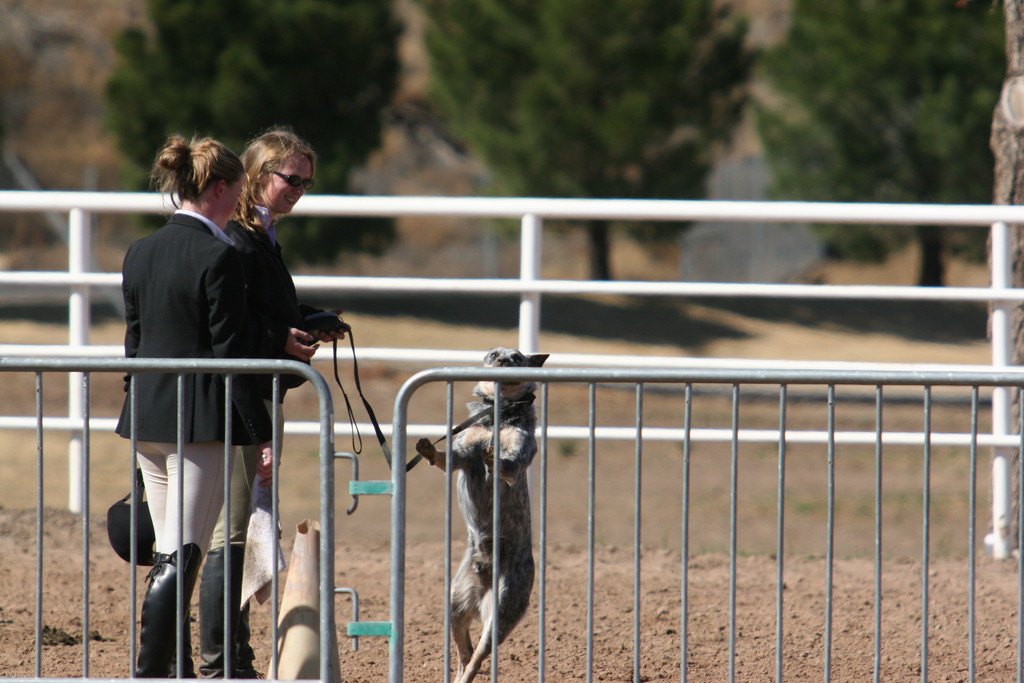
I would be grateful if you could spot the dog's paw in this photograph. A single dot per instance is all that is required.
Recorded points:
(427, 450)
(429, 453)
(487, 455)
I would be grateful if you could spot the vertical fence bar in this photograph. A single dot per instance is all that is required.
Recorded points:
(637, 496)
(275, 517)
(830, 530)
(39, 526)
(396, 653)
(328, 624)
(780, 535)
(878, 535)
(972, 522)
(530, 233)
(1020, 532)
(734, 465)
(225, 506)
(496, 484)
(133, 422)
(591, 494)
(179, 588)
(999, 542)
(227, 628)
(449, 420)
(685, 544)
(926, 494)
(79, 241)
(529, 271)
(542, 597)
(84, 483)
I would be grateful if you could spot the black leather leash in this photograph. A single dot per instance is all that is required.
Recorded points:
(479, 415)
(337, 324)
(526, 400)
(366, 404)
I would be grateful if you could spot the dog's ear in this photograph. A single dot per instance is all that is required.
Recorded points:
(537, 360)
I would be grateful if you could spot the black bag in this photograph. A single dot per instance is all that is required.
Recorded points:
(119, 529)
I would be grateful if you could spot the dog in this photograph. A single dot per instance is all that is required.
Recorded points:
(471, 457)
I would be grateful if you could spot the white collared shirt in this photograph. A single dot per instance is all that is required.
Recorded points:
(268, 225)
(217, 232)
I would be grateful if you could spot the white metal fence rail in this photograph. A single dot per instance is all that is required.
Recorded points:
(532, 212)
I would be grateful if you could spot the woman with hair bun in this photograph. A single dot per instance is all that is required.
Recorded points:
(184, 294)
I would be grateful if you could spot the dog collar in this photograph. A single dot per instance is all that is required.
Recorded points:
(484, 414)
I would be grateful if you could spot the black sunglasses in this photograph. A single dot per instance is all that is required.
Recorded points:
(296, 180)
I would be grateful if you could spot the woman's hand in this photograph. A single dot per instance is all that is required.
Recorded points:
(300, 344)
(337, 335)
(265, 466)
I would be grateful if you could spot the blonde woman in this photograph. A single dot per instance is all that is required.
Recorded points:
(279, 168)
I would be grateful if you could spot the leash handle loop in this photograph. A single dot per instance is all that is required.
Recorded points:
(356, 436)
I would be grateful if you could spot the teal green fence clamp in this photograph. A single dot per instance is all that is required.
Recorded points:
(356, 628)
(371, 488)
(358, 488)
(369, 628)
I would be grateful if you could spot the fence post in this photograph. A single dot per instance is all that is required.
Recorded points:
(999, 542)
(529, 303)
(529, 271)
(79, 241)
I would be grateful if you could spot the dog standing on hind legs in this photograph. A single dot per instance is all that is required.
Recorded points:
(471, 458)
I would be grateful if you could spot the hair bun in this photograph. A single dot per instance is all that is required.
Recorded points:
(175, 155)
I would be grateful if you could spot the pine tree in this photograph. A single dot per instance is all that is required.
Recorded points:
(885, 101)
(233, 68)
(575, 98)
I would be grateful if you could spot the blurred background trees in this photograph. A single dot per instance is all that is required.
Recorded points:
(572, 98)
(231, 69)
(885, 101)
(862, 100)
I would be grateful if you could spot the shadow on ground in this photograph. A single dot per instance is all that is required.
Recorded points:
(664, 321)
(633, 319)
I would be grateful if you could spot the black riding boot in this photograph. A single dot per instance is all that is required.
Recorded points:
(189, 670)
(160, 628)
(211, 618)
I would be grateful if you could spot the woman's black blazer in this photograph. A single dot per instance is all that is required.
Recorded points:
(185, 297)
(272, 299)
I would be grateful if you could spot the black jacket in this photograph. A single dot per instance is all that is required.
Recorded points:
(184, 295)
(272, 299)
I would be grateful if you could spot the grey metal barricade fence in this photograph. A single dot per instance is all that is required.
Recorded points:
(89, 366)
(752, 629)
(892, 589)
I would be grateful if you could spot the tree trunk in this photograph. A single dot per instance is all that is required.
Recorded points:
(600, 250)
(1007, 144)
(932, 271)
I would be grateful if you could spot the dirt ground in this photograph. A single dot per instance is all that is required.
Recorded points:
(817, 627)
(565, 653)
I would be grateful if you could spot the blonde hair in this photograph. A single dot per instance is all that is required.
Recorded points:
(264, 155)
(185, 170)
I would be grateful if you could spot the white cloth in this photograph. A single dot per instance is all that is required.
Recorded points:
(262, 546)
